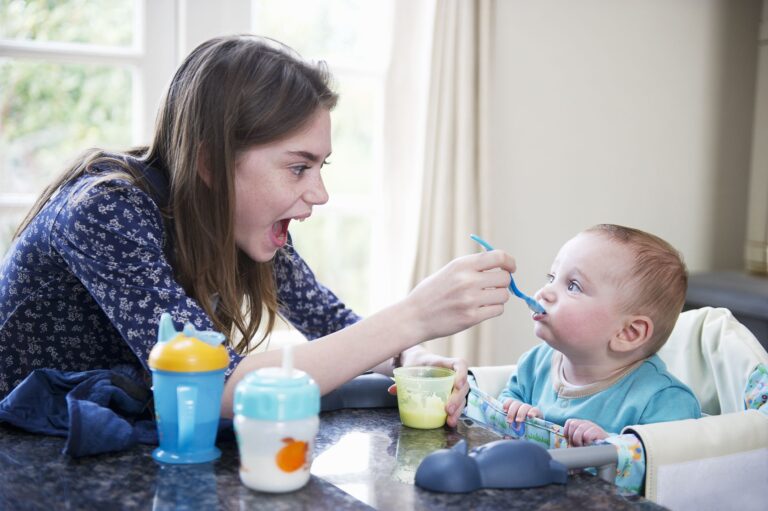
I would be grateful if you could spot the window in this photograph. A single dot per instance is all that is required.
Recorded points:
(90, 73)
(353, 37)
(73, 75)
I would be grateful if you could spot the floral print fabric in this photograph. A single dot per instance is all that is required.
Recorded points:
(84, 285)
(756, 392)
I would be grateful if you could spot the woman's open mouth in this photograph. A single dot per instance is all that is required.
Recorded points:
(279, 232)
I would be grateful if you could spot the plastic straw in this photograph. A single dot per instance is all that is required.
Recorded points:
(288, 359)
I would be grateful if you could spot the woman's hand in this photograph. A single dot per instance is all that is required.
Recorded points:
(418, 356)
(465, 292)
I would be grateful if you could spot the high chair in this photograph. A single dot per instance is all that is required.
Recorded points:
(719, 461)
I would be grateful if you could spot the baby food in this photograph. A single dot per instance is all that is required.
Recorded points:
(422, 412)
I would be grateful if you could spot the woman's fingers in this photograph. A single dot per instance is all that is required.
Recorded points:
(494, 259)
(462, 294)
(455, 405)
(493, 297)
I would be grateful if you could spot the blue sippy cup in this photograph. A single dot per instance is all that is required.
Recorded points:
(187, 381)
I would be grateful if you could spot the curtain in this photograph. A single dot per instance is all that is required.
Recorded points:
(404, 121)
(454, 184)
(756, 250)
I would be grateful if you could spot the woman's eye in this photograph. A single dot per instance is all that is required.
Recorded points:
(299, 169)
(574, 287)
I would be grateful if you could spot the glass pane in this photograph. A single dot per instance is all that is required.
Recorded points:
(337, 249)
(52, 112)
(10, 218)
(356, 31)
(353, 124)
(353, 37)
(100, 22)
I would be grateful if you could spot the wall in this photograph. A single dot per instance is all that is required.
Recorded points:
(631, 112)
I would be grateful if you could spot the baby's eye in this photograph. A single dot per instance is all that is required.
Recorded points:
(550, 278)
(574, 287)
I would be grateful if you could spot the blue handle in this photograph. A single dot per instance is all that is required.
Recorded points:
(487, 246)
(186, 399)
(480, 240)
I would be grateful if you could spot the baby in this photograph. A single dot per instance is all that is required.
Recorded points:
(613, 296)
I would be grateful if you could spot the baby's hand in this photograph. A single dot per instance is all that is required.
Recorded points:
(517, 411)
(582, 432)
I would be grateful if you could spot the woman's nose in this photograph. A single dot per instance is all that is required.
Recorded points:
(316, 192)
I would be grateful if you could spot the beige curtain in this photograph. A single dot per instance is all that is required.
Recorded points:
(756, 251)
(455, 159)
(404, 121)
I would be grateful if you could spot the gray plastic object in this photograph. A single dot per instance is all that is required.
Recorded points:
(500, 464)
(368, 390)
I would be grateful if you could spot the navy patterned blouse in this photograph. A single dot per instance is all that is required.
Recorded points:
(84, 285)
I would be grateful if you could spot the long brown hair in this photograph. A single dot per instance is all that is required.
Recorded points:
(229, 94)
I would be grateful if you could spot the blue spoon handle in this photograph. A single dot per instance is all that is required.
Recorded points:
(532, 304)
(480, 240)
(512, 286)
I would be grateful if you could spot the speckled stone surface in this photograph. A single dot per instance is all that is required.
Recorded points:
(363, 459)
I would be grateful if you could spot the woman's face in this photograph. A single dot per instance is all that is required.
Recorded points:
(279, 182)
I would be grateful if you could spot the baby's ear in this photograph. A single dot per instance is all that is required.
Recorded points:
(637, 331)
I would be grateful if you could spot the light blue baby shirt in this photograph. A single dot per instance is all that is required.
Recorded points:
(645, 394)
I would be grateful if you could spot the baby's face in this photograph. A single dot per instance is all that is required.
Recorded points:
(583, 296)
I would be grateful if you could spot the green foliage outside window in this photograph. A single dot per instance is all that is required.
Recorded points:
(101, 22)
(51, 110)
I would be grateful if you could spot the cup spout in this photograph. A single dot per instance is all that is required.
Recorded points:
(166, 330)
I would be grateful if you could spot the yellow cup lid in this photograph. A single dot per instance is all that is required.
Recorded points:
(187, 351)
(187, 354)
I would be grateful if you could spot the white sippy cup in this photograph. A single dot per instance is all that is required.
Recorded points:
(276, 421)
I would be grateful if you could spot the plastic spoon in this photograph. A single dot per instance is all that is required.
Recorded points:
(532, 304)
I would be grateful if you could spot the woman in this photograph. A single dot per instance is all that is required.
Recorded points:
(197, 224)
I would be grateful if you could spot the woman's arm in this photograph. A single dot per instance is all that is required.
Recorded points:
(313, 309)
(460, 295)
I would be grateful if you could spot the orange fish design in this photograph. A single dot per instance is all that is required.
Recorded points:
(293, 456)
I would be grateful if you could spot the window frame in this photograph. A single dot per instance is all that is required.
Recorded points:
(155, 28)
(164, 32)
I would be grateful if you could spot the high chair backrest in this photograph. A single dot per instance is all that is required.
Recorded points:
(714, 354)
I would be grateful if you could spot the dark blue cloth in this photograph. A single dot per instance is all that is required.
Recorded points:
(97, 411)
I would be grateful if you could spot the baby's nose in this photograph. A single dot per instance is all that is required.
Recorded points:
(544, 294)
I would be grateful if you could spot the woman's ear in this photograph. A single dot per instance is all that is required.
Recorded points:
(203, 169)
(637, 331)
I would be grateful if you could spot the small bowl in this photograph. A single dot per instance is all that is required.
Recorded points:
(422, 392)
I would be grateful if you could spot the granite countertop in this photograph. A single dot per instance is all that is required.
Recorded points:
(364, 459)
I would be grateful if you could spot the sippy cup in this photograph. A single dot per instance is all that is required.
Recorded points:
(187, 382)
(276, 420)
